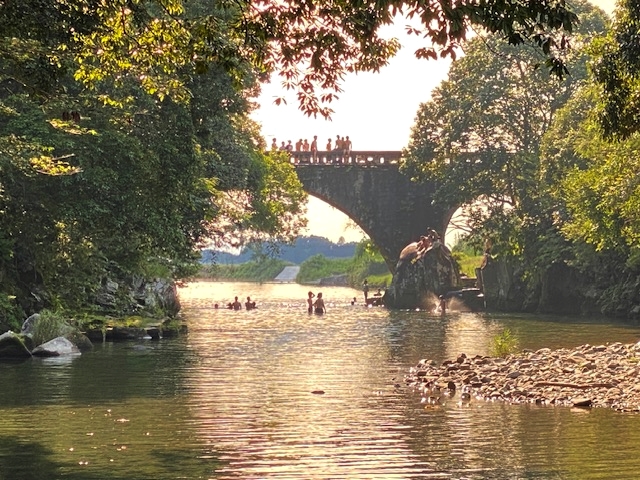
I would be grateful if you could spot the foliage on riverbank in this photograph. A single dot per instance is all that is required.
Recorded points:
(263, 270)
(319, 266)
(124, 179)
(467, 256)
(366, 263)
(549, 197)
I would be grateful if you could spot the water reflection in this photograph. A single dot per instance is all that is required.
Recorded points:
(266, 418)
(234, 399)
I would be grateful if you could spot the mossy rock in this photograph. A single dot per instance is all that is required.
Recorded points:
(173, 328)
(14, 346)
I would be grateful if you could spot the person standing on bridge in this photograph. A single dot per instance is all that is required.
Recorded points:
(314, 149)
(329, 145)
(274, 145)
(337, 150)
(346, 145)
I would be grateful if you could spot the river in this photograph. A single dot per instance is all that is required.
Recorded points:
(277, 393)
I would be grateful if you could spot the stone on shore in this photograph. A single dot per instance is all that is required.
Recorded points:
(55, 348)
(585, 376)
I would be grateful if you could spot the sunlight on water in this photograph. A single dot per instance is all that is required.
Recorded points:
(278, 393)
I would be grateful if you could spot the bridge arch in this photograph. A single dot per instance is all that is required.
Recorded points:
(370, 189)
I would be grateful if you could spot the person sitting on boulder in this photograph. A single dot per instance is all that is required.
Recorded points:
(424, 244)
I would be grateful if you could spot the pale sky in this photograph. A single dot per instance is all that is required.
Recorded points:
(376, 110)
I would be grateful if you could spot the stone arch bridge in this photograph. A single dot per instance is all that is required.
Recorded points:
(368, 187)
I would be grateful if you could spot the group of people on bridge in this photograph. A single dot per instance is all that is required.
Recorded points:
(337, 153)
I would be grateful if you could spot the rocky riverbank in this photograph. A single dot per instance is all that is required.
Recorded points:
(586, 376)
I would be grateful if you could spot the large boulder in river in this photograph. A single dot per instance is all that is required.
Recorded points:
(13, 345)
(421, 276)
(55, 348)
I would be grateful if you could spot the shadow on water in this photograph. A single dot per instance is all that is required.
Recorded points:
(30, 460)
(22, 460)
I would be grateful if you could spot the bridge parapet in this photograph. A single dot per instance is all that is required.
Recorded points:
(361, 158)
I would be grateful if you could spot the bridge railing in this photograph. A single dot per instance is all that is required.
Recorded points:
(337, 157)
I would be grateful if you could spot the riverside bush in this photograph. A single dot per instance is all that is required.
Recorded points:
(319, 266)
(503, 344)
(253, 271)
(49, 326)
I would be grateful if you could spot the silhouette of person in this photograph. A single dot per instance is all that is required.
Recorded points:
(274, 145)
(314, 148)
(310, 302)
(318, 305)
(365, 289)
(337, 148)
(236, 305)
(442, 304)
(346, 146)
(249, 305)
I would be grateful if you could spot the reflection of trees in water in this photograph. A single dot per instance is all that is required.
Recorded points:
(21, 460)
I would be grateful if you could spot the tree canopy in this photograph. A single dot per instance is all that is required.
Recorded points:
(479, 135)
(125, 136)
(311, 45)
(616, 71)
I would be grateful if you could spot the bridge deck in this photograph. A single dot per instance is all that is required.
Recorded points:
(336, 157)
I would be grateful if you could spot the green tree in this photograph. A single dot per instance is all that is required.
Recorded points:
(162, 153)
(616, 71)
(596, 196)
(479, 136)
(311, 45)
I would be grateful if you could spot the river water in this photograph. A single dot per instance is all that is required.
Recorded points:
(239, 397)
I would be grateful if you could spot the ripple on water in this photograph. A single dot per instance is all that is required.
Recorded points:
(233, 399)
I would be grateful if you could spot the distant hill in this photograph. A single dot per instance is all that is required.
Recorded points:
(303, 248)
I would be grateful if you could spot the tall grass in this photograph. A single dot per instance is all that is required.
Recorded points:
(49, 326)
(503, 344)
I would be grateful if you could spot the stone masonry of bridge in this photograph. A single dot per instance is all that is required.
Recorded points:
(368, 187)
